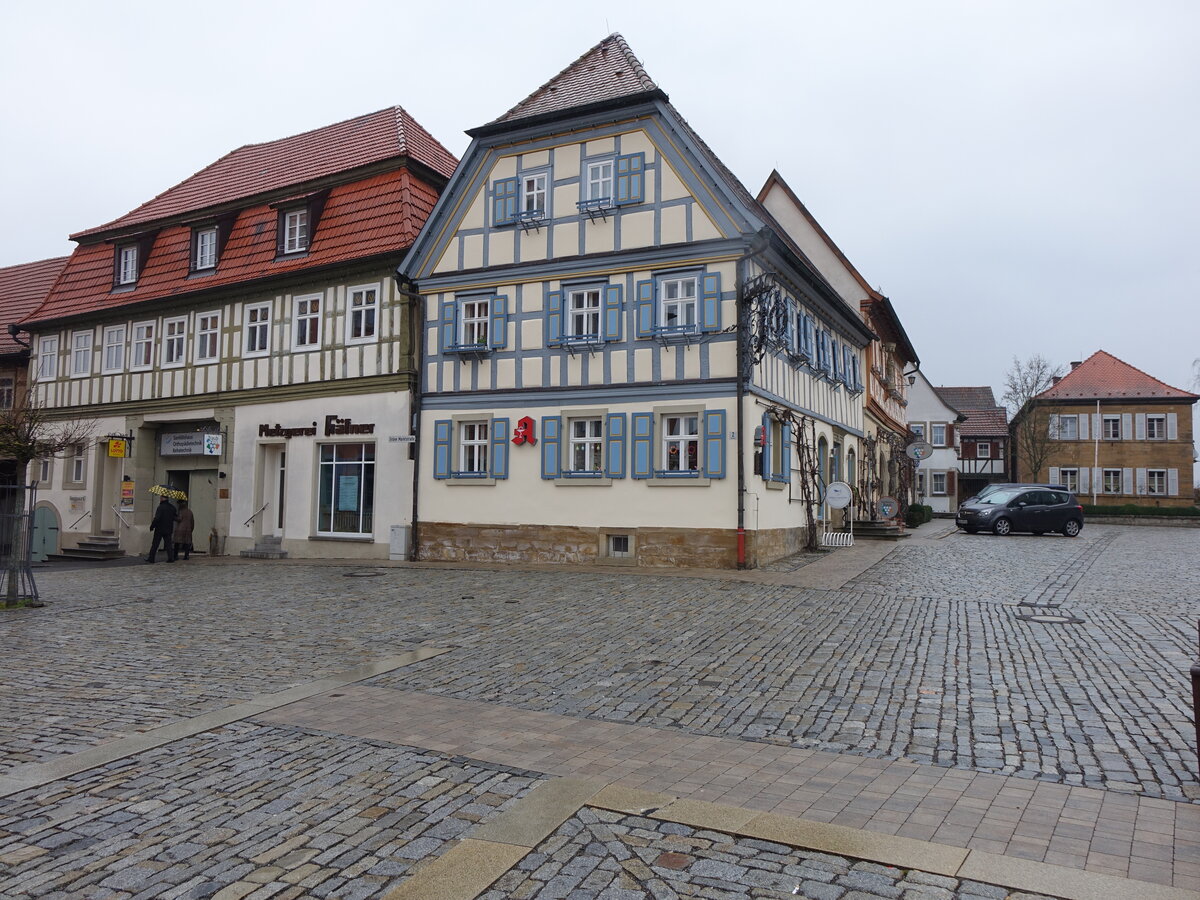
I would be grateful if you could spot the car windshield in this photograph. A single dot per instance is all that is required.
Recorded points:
(998, 498)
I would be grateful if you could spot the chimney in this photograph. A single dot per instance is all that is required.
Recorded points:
(1076, 365)
(1057, 378)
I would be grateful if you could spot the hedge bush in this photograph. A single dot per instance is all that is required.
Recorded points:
(1132, 509)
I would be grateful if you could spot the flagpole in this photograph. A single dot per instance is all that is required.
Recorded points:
(1099, 423)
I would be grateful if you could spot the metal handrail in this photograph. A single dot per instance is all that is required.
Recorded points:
(81, 518)
(256, 514)
(117, 513)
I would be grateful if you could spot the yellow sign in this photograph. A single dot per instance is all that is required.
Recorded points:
(117, 447)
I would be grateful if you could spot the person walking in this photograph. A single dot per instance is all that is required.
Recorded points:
(163, 527)
(183, 531)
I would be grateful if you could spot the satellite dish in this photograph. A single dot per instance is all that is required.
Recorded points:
(919, 450)
(838, 495)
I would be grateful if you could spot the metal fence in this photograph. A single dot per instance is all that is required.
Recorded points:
(16, 540)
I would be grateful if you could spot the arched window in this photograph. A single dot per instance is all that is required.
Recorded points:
(851, 475)
(823, 460)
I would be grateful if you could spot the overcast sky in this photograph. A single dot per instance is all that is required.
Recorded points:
(1019, 177)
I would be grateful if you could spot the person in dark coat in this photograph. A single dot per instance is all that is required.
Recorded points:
(183, 531)
(163, 527)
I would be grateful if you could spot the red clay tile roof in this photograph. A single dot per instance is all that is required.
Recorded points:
(1102, 376)
(965, 398)
(22, 290)
(376, 215)
(276, 165)
(607, 71)
(984, 422)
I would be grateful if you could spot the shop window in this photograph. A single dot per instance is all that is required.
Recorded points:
(346, 499)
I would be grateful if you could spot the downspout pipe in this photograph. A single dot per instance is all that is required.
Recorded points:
(416, 321)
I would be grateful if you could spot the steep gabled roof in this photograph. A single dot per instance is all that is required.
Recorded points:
(257, 169)
(985, 422)
(1102, 376)
(968, 398)
(22, 290)
(608, 71)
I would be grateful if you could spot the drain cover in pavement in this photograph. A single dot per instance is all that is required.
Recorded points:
(362, 574)
(1051, 619)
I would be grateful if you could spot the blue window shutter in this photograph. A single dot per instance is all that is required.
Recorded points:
(790, 335)
(714, 443)
(641, 461)
(834, 363)
(786, 455)
(612, 312)
(443, 429)
(499, 458)
(614, 442)
(498, 327)
(504, 201)
(630, 187)
(808, 337)
(645, 309)
(710, 310)
(554, 318)
(551, 447)
(766, 450)
(448, 323)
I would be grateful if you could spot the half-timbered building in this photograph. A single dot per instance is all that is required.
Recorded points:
(981, 438)
(242, 337)
(622, 346)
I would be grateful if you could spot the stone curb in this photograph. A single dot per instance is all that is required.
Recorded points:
(473, 865)
(34, 775)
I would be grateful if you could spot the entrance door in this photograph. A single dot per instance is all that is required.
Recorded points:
(272, 490)
(45, 533)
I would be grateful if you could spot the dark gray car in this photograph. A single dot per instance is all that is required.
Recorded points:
(1027, 508)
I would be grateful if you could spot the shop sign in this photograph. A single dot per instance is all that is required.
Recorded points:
(191, 443)
(127, 495)
(279, 431)
(523, 431)
(77, 504)
(118, 448)
(335, 425)
(402, 438)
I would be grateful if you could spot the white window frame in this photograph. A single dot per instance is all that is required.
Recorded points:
(1115, 475)
(295, 230)
(535, 186)
(591, 442)
(112, 359)
(208, 336)
(307, 322)
(921, 491)
(1151, 476)
(1066, 433)
(335, 469)
(127, 264)
(474, 447)
(48, 358)
(205, 253)
(685, 308)
(933, 483)
(77, 473)
(82, 343)
(933, 434)
(362, 316)
(1156, 422)
(681, 441)
(917, 428)
(144, 336)
(595, 180)
(174, 342)
(585, 310)
(257, 329)
(983, 450)
(474, 319)
(8, 388)
(45, 471)
(1069, 478)
(1115, 422)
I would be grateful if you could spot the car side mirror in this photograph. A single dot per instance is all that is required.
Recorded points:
(1021, 504)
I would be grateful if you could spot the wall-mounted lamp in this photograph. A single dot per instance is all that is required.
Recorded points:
(912, 379)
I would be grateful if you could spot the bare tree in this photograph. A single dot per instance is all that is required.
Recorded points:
(1196, 374)
(1032, 439)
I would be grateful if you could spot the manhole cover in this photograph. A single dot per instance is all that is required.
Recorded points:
(1051, 619)
(362, 574)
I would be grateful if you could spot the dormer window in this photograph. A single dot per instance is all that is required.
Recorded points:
(294, 230)
(127, 264)
(204, 249)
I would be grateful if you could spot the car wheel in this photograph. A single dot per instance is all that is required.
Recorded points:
(1072, 528)
(1002, 526)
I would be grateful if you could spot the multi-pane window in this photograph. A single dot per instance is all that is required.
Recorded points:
(258, 329)
(204, 255)
(208, 334)
(1112, 481)
(1112, 428)
(600, 180)
(1068, 428)
(587, 442)
(938, 480)
(918, 428)
(78, 463)
(921, 482)
(983, 450)
(48, 358)
(583, 313)
(681, 443)
(533, 193)
(114, 349)
(473, 447)
(937, 435)
(346, 492)
(127, 264)
(1070, 479)
(1156, 481)
(308, 322)
(295, 231)
(363, 314)
(174, 342)
(473, 323)
(7, 385)
(1156, 428)
(45, 470)
(81, 353)
(142, 353)
(678, 298)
